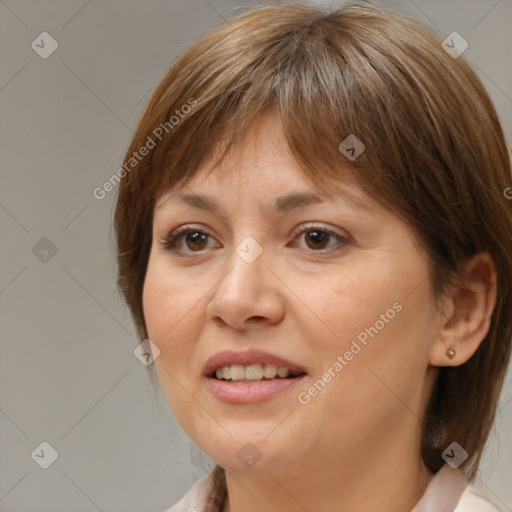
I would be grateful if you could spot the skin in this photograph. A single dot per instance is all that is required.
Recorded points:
(356, 445)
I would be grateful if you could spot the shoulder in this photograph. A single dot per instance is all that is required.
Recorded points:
(476, 499)
(193, 501)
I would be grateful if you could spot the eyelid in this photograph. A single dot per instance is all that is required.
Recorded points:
(167, 241)
(315, 225)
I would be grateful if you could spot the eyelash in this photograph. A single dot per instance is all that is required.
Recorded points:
(169, 242)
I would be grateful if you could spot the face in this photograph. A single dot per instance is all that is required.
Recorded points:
(336, 288)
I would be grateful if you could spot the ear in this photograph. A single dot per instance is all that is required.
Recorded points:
(467, 315)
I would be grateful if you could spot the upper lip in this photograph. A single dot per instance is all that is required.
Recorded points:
(251, 356)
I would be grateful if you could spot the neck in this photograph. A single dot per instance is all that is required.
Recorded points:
(387, 480)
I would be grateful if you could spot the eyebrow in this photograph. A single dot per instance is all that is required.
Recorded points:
(282, 204)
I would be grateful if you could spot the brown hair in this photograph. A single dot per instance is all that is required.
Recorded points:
(435, 156)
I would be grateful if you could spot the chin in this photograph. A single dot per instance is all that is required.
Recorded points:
(250, 450)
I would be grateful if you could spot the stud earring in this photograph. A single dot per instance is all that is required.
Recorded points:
(450, 353)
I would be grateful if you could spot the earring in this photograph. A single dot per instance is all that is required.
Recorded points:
(450, 353)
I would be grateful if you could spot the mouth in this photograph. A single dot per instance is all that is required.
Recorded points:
(250, 366)
(251, 377)
(252, 373)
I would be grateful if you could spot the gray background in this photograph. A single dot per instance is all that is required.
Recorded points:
(68, 373)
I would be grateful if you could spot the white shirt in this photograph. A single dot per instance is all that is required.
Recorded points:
(448, 491)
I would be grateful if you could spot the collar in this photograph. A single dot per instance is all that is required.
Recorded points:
(444, 491)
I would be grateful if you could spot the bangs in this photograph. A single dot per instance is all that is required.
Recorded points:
(320, 103)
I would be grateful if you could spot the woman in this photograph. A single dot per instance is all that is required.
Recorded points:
(314, 232)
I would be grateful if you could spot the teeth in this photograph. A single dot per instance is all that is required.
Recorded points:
(219, 372)
(282, 372)
(238, 372)
(253, 372)
(270, 371)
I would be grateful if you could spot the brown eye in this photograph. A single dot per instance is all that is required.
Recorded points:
(316, 238)
(195, 241)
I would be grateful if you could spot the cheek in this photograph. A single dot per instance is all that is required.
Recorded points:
(173, 313)
(162, 311)
(353, 299)
(381, 306)
(165, 300)
(165, 311)
(154, 304)
(383, 331)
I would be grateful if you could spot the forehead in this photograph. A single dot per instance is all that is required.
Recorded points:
(262, 158)
(273, 203)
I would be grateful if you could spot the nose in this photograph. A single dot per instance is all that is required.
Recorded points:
(248, 295)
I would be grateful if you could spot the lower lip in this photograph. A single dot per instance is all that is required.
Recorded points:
(250, 392)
